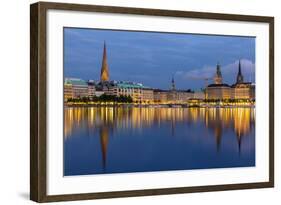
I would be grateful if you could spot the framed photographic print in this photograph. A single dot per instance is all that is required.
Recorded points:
(134, 102)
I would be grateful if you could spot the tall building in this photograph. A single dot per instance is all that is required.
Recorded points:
(104, 76)
(218, 76)
(239, 78)
(218, 90)
(173, 86)
(241, 89)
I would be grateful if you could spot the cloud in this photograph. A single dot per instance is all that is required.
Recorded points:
(229, 72)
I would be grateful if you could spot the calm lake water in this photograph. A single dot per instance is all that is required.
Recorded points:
(100, 140)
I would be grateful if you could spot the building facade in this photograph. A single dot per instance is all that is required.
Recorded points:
(179, 96)
(147, 95)
(134, 90)
(243, 91)
(240, 90)
(77, 88)
(218, 90)
(91, 88)
(137, 91)
(67, 90)
(200, 95)
(160, 96)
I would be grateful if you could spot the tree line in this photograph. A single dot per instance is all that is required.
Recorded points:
(102, 98)
(228, 100)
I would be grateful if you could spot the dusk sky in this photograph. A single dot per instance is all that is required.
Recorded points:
(153, 58)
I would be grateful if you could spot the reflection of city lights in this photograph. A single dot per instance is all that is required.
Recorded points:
(242, 120)
(125, 118)
(106, 119)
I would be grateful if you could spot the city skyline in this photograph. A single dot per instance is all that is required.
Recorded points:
(150, 54)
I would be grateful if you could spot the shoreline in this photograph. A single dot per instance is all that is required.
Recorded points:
(157, 106)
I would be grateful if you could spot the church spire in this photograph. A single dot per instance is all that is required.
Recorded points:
(239, 78)
(218, 76)
(173, 87)
(104, 76)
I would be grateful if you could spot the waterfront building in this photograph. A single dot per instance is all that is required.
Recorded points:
(67, 90)
(91, 88)
(75, 88)
(178, 96)
(137, 91)
(107, 87)
(200, 95)
(253, 91)
(221, 91)
(172, 97)
(160, 96)
(134, 90)
(197, 99)
(147, 95)
(218, 90)
(242, 90)
(99, 93)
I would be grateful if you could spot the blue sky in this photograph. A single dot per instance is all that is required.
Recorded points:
(153, 58)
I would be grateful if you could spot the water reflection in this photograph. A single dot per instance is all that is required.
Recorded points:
(196, 124)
